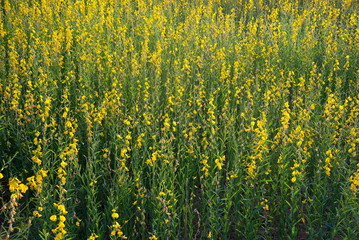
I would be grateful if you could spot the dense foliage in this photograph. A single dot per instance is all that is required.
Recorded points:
(179, 119)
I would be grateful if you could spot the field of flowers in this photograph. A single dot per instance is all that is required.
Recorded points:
(179, 119)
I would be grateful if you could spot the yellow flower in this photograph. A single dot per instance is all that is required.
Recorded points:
(39, 179)
(218, 164)
(13, 184)
(53, 218)
(43, 173)
(61, 207)
(68, 124)
(59, 236)
(63, 180)
(114, 215)
(63, 164)
(92, 183)
(31, 182)
(23, 188)
(153, 237)
(1, 176)
(36, 160)
(62, 218)
(93, 237)
(61, 225)
(36, 213)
